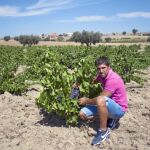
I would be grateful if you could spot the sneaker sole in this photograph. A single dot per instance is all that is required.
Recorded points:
(107, 136)
(101, 141)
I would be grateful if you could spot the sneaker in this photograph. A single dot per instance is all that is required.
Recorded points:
(113, 123)
(101, 136)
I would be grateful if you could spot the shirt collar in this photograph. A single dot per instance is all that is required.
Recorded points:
(109, 74)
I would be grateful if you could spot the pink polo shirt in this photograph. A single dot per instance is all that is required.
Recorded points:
(114, 83)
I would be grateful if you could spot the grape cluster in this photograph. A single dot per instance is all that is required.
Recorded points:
(75, 93)
(59, 98)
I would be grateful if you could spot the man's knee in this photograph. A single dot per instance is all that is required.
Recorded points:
(82, 115)
(101, 101)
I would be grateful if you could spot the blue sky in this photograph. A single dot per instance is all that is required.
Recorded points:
(60, 16)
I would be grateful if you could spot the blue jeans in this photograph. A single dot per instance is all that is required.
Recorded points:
(114, 110)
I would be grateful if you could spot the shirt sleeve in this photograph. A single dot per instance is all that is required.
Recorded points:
(110, 85)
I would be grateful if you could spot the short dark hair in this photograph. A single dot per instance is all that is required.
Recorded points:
(102, 60)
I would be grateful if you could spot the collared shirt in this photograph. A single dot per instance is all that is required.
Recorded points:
(114, 84)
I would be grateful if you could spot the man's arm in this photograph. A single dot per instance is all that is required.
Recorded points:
(106, 93)
(93, 101)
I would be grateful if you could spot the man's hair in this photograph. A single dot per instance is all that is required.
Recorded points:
(102, 60)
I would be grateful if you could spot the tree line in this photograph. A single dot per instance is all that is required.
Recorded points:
(84, 37)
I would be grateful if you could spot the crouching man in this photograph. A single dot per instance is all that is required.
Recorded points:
(110, 105)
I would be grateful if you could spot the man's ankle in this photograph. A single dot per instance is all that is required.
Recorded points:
(103, 129)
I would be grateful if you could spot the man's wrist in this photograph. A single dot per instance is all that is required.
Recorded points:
(87, 100)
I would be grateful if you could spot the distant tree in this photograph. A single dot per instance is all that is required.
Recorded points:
(29, 40)
(60, 39)
(86, 37)
(47, 39)
(42, 35)
(96, 37)
(76, 36)
(7, 38)
(134, 31)
(124, 33)
(108, 40)
(60, 35)
(148, 39)
(16, 38)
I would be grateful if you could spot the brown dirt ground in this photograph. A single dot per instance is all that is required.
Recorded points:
(51, 43)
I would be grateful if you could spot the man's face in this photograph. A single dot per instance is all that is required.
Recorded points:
(103, 70)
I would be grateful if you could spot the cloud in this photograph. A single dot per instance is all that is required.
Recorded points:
(14, 11)
(39, 8)
(51, 5)
(98, 18)
(7, 11)
(42, 7)
(134, 15)
(89, 18)
(84, 19)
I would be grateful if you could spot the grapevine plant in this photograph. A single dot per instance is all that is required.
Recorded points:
(57, 88)
(57, 84)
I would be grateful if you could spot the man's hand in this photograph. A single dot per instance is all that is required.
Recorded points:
(94, 81)
(76, 85)
(83, 101)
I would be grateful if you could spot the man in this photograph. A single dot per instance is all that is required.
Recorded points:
(110, 106)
